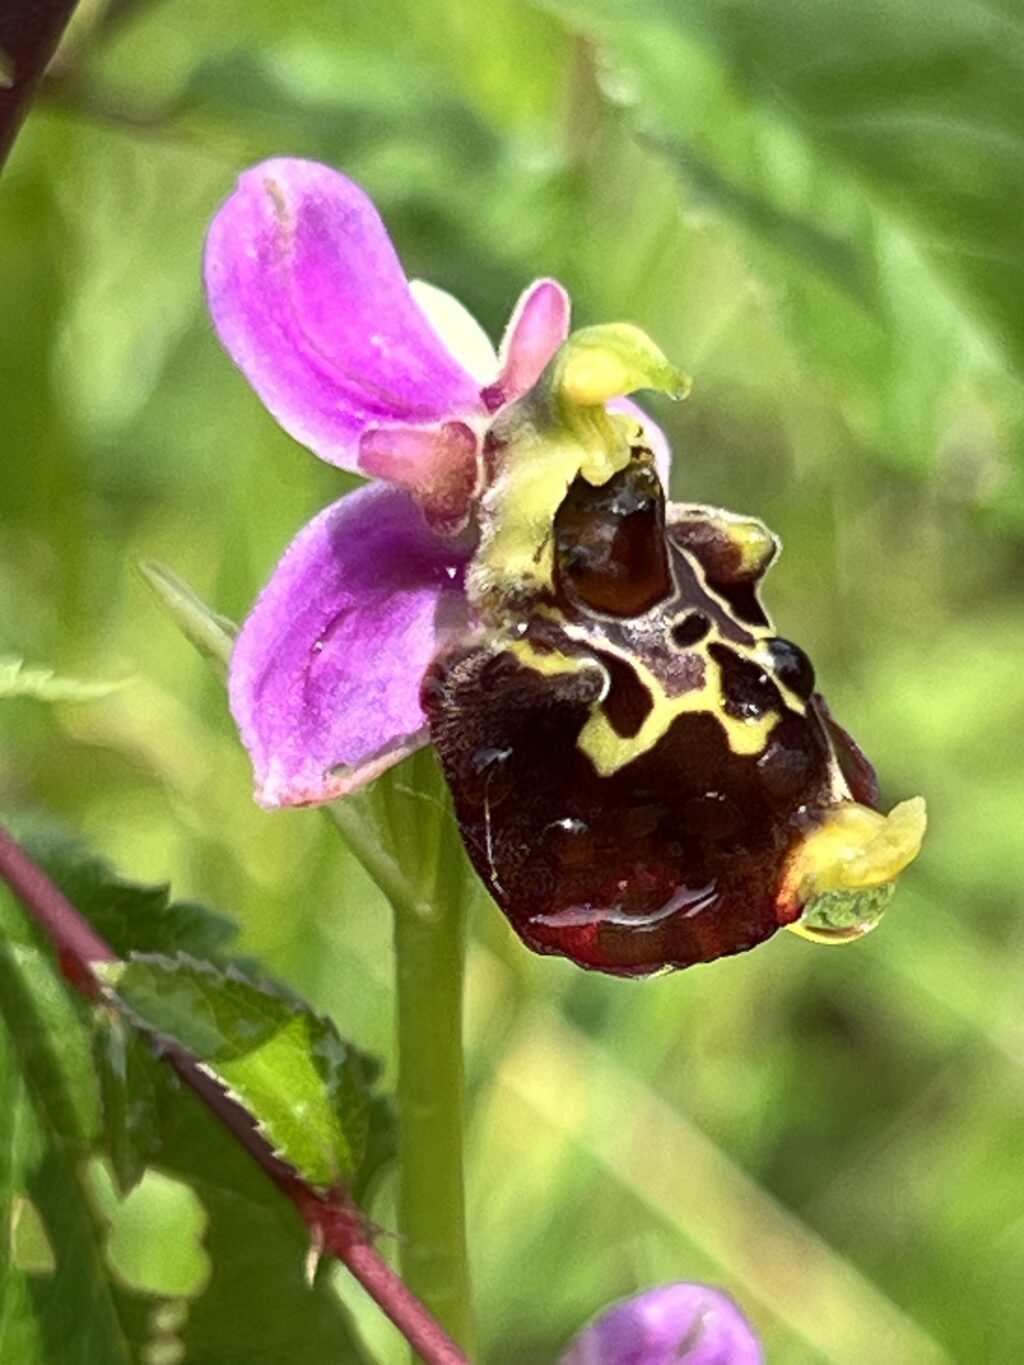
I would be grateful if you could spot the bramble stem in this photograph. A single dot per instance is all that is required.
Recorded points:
(335, 1224)
(29, 33)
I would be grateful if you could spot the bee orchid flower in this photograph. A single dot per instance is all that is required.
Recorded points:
(644, 773)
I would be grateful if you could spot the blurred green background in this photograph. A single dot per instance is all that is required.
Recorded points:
(816, 212)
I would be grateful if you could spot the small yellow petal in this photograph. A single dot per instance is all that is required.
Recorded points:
(842, 875)
(856, 848)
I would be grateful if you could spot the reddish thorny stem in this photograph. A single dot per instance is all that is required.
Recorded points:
(29, 34)
(336, 1225)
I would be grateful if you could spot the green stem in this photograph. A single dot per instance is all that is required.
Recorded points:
(429, 955)
(429, 920)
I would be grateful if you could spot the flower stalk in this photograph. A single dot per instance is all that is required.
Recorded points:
(429, 938)
(429, 958)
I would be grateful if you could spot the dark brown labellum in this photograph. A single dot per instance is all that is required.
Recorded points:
(633, 759)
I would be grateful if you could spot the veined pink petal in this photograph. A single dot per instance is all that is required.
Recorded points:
(311, 302)
(538, 326)
(325, 677)
(652, 436)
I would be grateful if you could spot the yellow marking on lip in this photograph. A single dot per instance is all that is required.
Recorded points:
(609, 751)
(793, 701)
(606, 748)
(755, 544)
(755, 653)
(551, 662)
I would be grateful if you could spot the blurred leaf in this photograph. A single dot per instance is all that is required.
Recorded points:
(38, 444)
(18, 679)
(132, 1085)
(361, 113)
(211, 634)
(871, 156)
(131, 917)
(289, 1068)
(134, 211)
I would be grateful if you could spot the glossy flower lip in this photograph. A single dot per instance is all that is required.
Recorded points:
(675, 1324)
(380, 376)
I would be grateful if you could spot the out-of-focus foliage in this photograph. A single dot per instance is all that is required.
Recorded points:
(814, 212)
(870, 155)
(18, 679)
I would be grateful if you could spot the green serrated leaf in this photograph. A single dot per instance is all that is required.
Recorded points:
(303, 1085)
(213, 635)
(71, 1307)
(143, 919)
(19, 679)
(130, 916)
